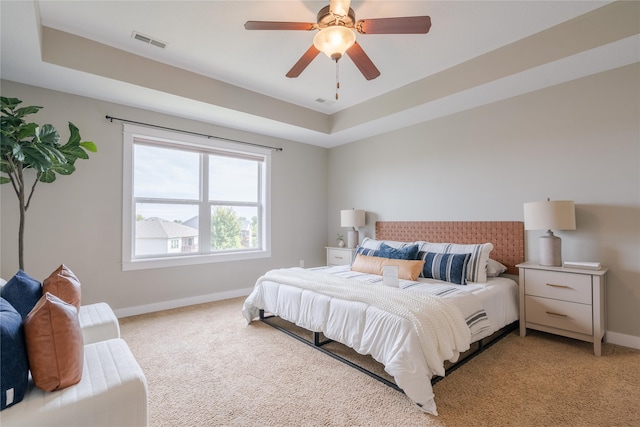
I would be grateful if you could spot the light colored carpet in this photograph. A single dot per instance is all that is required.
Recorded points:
(206, 367)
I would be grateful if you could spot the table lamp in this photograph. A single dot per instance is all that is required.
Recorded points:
(352, 218)
(548, 215)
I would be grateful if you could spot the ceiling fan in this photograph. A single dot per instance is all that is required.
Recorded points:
(337, 24)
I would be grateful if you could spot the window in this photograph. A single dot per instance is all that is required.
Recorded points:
(191, 200)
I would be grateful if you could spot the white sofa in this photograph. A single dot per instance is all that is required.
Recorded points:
(98, 323)
(112, 391)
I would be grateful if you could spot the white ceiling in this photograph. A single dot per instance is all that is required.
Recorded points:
(208, 38)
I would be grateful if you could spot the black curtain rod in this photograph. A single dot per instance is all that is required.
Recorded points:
(111, 119)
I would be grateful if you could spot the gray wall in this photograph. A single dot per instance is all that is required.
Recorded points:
(77, 220)
(578, 141)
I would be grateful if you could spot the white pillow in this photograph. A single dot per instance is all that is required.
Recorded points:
(495, 268)
(477, 267)
(375, 244)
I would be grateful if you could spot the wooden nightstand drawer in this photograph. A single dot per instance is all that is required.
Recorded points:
(564, 301)
(339, 256)
(561, 286)
(560, 314)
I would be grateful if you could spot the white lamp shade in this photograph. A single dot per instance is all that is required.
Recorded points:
(334, 40)
(352, 218)
(550, 215)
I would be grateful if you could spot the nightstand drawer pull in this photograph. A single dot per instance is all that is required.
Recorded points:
(337, 257)
(558, 286)
(556, 314)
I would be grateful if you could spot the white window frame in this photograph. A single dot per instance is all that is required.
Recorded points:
(129, 261)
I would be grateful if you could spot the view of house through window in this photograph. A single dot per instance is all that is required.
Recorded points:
(195, 200)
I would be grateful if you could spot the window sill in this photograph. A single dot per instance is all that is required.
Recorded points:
(148, 263)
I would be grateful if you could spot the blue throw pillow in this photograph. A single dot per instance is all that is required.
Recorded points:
(366, 251)
(448, 267)
(408, 252)
(14, 365)
(22, 292)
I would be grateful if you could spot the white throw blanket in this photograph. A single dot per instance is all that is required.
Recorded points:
(440, 326)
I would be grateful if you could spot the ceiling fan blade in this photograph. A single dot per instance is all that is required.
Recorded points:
(271, 25)
(303, 62)
(362, 61)
(402, 25)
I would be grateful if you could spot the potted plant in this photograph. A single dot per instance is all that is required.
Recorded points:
(340, 240)
(26, 146)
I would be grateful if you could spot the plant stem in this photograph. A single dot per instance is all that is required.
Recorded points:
(23, 211)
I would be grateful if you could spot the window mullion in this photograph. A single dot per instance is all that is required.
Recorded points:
(204, 225)
(261, 218)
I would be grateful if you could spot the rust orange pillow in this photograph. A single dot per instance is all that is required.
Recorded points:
(63, 284)
(407, 269)
(55, 347)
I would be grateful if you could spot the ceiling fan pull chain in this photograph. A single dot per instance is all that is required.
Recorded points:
(337, 79)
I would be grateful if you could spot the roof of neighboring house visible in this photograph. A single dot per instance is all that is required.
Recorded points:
(158, 228)
(192, 222)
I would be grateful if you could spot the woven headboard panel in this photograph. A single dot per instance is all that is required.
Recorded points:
(507, 236)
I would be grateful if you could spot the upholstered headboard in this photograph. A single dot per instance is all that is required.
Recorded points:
(507, 237)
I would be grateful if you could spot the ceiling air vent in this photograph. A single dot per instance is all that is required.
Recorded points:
(149, 40)
(324, 101)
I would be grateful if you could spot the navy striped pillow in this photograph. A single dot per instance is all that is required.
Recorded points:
(448, 267)
(366, 251)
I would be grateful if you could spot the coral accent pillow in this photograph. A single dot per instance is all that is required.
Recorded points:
(55, 347)
(63, 284)
(407, 270)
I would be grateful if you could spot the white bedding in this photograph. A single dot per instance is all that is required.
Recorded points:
(390, 339)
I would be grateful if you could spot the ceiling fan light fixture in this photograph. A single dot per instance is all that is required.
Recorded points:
(334, 41)
(339, 7)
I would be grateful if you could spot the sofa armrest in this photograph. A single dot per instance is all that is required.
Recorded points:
(98, 323)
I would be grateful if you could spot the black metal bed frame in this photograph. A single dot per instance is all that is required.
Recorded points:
(318, 344)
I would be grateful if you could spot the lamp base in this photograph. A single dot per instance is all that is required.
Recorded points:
(352, 239)
(550, 250)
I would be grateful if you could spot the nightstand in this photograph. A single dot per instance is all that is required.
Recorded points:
(563, 301)
(340, 256)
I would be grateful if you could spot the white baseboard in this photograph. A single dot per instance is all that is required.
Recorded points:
(167, 305)
(624, 340)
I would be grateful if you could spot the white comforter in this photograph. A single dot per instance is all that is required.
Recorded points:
(371, 325)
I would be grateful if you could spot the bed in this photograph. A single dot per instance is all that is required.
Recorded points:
(419, 328)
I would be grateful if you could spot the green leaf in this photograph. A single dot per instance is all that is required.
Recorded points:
(52, 153)
(74, 153)
(35, 159)
(64, 168)
(9, 103)
(48, 176)
(17, 153)
(89, 146)
(74, 137)
(27, 130)
(6, 144)
(21, 112)
(9, 125)
(4, 180)
(48, 134)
